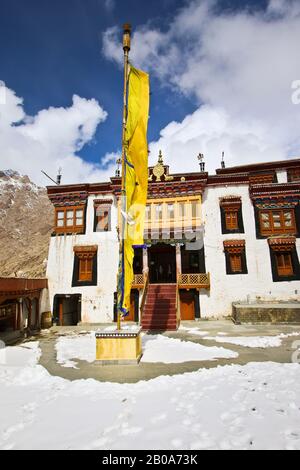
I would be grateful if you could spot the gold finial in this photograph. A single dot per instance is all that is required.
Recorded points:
(126, 37)
(160, 158)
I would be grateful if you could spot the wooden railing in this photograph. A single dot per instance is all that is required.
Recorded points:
(139, 281)
(194, 281)
(144, 295)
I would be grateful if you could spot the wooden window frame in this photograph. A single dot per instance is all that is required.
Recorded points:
(293, 175)
(287, 269)
(274, 230)
(74, 228)
(236, 265)
(85, 266)
(235, 249)
(284, 246)
(231, 220)
(231, 215)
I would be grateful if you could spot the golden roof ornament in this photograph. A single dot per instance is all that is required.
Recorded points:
(159, 169)
(160, 158)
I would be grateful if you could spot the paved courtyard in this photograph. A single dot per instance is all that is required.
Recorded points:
(211, 334)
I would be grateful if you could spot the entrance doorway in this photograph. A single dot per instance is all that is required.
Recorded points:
(67, 310)
(189, 304)
(162, 264)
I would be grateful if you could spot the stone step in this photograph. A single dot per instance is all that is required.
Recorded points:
(161, 306)
(158, 318)
(161, 312)
(152, 327)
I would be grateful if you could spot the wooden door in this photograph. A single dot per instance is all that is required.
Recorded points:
(187, 305)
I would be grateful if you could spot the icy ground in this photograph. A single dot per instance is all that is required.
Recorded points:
(156, 348)
(233, 407)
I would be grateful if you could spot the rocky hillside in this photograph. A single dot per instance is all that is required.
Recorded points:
(26, 217)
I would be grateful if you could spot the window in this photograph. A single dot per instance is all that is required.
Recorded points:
(284, 259)
(158, 209)
(85, 269)
(235, 255)
(171, 211)
(181, 210)
(231, 220)
(235, 262)
(231, 215)
(69, 220)
(284, 264)
(274, 222)
(60, 219)
(85, 266)
(195, 206)
(102, 220)
(148, 213)
(293, 175)
(102, 215)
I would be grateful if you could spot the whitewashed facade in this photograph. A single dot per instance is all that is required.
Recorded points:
(271, 187)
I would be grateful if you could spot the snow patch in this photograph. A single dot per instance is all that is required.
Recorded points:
(253, 341)
(166, 350)
(81, 347)
(156, 348)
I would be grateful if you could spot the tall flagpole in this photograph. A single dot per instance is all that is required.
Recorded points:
(126, 49)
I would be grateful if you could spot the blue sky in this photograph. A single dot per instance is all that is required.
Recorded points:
(52, 49)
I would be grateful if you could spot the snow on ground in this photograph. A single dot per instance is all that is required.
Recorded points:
(256, 406)
(159, 348)
(156, 348)
(26, 355)
(82, 347)
(253, 341)
(194, 331)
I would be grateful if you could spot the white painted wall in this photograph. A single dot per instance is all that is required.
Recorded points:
(44, 305)
(258, 283)
(97, 301)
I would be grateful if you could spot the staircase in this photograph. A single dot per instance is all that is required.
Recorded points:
(160, 308)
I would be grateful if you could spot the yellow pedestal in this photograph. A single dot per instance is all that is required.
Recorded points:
(118, 347)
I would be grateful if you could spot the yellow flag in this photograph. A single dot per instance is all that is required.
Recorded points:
(136, 179)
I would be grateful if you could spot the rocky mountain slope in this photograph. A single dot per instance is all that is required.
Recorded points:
(26, 218)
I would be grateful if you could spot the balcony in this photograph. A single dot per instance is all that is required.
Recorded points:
(139, 281)
(194, 281)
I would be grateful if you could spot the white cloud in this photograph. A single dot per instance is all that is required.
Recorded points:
(51, 140)
(238, 67)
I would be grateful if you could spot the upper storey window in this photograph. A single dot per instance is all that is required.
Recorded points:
(231, 215)
(70, 219)
(277, 222)
(102, 215)
(294, 174)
